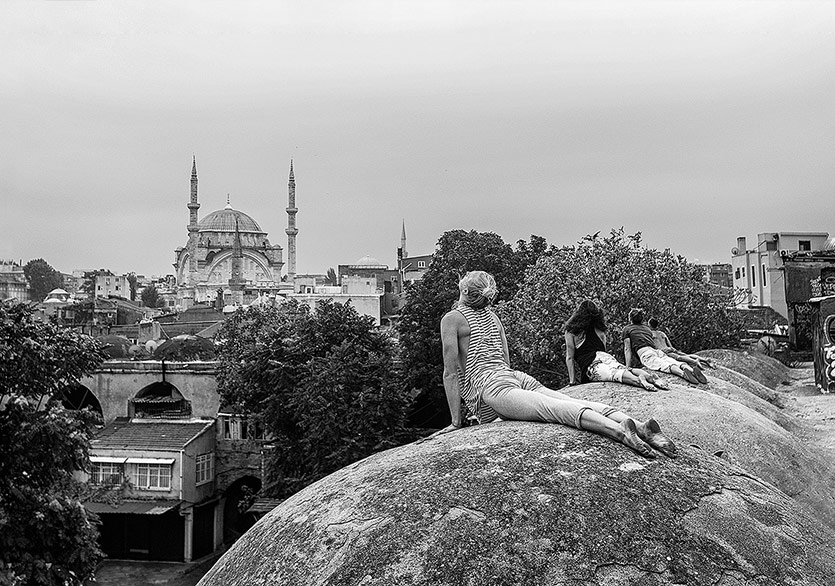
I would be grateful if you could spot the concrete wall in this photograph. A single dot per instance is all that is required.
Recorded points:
(204, 444)
(365, 304)
(117, 381)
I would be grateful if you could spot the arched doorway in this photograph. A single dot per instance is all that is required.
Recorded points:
(235, 522)
(159, 399)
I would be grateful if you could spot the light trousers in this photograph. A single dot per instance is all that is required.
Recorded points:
(541, 404)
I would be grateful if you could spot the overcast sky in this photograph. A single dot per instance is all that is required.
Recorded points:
(693, 122)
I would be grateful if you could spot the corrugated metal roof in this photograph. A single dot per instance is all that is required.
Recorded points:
(151, 434)
(264, 505)
(132, 507)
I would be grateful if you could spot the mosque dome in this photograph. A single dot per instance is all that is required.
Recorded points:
(830, 243)
(224, 221)
(369, 262)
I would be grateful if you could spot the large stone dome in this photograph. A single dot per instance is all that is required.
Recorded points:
(368, 262)
(224, 221)
(533, 504)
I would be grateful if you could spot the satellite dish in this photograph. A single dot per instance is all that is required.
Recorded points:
(734, 251)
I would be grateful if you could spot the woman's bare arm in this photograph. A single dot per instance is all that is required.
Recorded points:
(569, 358)
(450, 328)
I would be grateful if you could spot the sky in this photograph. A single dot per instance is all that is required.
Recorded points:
(691, 122)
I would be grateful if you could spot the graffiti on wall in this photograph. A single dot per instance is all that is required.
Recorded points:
(822, 286)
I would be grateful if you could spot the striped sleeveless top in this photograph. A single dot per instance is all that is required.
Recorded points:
(485, 360)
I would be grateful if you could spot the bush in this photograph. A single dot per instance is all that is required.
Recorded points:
(620, 274)
(46, 536)
(323, 383)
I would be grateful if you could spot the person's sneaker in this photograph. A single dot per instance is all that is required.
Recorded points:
(699, 375)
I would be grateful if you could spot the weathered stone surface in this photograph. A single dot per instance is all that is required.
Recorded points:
(524, 503)
(748, 384)
(761, 441)
(765, 370)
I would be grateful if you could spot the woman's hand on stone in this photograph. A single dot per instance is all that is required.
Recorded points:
(443, 431)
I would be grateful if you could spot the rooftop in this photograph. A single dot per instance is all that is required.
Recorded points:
(135, 434)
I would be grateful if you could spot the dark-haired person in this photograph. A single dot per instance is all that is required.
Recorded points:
(585, 351)
(662, 342)
(638, 340)
(477, 371)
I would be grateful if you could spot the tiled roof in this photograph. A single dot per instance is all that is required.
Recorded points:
(264, 505)
(151, 435)
(133, 507)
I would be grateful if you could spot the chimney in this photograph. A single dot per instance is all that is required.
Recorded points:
(740, 244)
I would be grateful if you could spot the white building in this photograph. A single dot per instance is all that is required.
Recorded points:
(759, 270)
(108, 284)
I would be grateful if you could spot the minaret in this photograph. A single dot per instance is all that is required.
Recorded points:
(403, 253)
(291, 225)
(236, 279)
(193, 228)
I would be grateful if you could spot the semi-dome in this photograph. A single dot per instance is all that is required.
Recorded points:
(829, 244)
(369, 262)
(224, 221)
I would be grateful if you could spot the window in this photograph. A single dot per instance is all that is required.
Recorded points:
(804, 245)
(106, 473)
(205, 469)
(743, 272)
(765, 280)
(153, 476)
(736, 273)
(753, 276)
(240, 428)
(421, 264)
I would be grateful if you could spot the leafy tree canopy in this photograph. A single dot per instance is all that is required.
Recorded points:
(619, 273)
(324, 384)
(457, 252)
(332, 279)
(42, 278)
(132, 283)
(151, 297)
(46, 536)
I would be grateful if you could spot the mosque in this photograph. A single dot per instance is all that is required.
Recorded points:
(228, 256)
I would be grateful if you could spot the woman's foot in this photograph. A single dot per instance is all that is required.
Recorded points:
(650, 432)
(631, 439)
(688, 374)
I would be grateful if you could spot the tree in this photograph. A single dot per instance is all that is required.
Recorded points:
(151, 297)
(42, 278)
(46, 536)
(132, 282)
(332, 280)
(430, 298)
(620, 274)
(324, 384)
(88, 285)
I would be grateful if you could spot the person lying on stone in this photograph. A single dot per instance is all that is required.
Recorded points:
(637, 339)
(662, 342)
(477, 371)
(585, 350)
